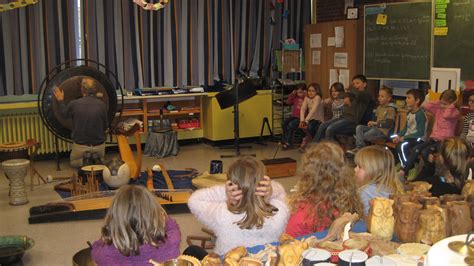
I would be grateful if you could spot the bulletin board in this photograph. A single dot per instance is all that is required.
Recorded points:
(323, 57)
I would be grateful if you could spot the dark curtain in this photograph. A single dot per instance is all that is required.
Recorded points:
(190, 42)
(34, 40)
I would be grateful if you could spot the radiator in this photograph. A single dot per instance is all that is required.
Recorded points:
(23, 126)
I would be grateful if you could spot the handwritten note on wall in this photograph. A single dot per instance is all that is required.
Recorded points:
(340, 60)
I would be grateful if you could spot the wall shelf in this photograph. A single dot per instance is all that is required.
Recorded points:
(149, 108)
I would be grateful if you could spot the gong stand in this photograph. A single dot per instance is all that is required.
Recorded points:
(68, 77)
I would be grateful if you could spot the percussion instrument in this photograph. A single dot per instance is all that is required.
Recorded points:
(96, 170)
(16, 170)
(83, 258)
(12, 248)
(14, 150)
(68, 77)
(22, 150)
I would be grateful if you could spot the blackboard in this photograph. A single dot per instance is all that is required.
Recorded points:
(400, 49)
(456, 50)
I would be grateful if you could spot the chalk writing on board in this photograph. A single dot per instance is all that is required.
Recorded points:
(400, 49)
(466, 17)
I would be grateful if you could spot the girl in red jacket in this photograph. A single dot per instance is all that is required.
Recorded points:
(325, 190)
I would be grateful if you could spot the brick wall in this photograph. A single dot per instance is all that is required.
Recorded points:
(331, 10)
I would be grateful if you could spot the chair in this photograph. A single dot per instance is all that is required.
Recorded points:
(206, 242)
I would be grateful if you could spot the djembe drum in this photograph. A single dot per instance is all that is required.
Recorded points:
(14, 151)
(22, 150)
(16, 170)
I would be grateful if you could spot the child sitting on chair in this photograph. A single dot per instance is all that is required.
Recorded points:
(136, 230)
(336, 101)
(468, 122)
(295, 99)
(351, 116)
(380, 128)
(415, 126)
(311, 114)
(248, 210)
(446, 116)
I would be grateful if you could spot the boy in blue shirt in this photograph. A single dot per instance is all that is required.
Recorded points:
(415, 126)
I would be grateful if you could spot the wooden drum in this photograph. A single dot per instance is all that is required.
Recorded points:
(13, 151)
(87, 171)
(16, 170)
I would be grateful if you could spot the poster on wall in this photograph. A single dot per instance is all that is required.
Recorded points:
(340, 60)
(333, 77)
(344, 77)
(315, 40)
(316, 58)
(339, 31)
(332, 41)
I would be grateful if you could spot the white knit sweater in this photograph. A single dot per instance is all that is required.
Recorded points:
(210, 208)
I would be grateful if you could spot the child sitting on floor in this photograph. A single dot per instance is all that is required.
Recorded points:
(295, 99)
(375, 173)
(136, 230)
(248, 210)
(448, 170)
(446, 116)
(380, 128)
(325, 190)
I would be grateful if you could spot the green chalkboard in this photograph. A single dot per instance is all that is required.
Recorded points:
(456, 50)
(400, 49)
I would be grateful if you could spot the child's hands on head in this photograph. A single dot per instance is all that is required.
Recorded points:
(264, 188)
(233, 192)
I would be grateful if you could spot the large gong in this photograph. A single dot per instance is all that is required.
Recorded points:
(68, 77)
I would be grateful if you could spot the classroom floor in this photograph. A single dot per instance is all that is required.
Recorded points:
(56, 243)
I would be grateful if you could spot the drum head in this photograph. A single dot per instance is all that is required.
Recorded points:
(95, 167)
(69, 80)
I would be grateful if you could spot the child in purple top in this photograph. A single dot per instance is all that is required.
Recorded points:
(136, 229)
(290, 124)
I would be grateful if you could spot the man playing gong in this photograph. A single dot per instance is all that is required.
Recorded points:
(89, 116)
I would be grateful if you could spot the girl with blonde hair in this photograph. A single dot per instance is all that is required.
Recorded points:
(448, 170)
(248, 210)
(375, 173)
(325, 190)
(136, 229)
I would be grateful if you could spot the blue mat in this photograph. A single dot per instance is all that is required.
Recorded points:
(158, 181)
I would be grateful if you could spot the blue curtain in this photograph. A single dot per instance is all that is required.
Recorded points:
(33, 40)
(190, 42)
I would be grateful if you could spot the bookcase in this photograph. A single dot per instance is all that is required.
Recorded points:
(153, 112)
